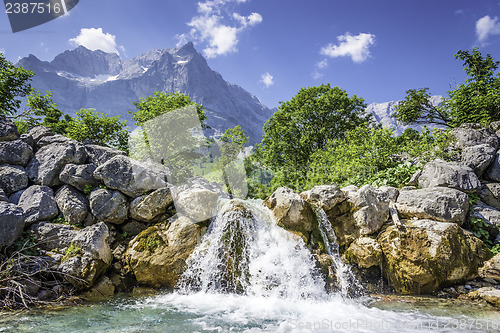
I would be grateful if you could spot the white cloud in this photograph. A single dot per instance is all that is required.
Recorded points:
(218, 29)
(96, 39)
(356, 47)
(267, 79)
(485, 27)
(322, 64)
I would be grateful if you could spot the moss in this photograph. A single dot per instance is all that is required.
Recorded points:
(149, 240)
(73, 250)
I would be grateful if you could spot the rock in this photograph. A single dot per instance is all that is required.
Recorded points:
(108, 206)
(350, 188)
(39, 132)
(86, 252)
(27, 140)
(99, 155)
(291, 212)
(478, 158)
(51, 139)
(130, 177)
(3, 196)
(468, 135)
(364, 252)
(428, 254)
(489, 215)
(8, 130)
(495, 126)
(489, 294)
(133, 228)
(79, 176)
(13, 178)
(324, 196)
(151, 207)
(491, 269)
(15, 153)
(493, 171)
(14, 198)
(391, 192)
(38, 204)
(371, 208)
(72, 204)
(102, 290)
(435, 203)
(157, 256)
(490, 194)
(198, 204)
(11, 223)
(449, 174)
(414, 178)
(48, 162)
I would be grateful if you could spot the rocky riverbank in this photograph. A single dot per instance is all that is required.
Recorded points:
(81, 219)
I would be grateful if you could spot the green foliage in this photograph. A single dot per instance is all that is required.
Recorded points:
(148, 240)
(73, 250)
(88, 188)
(475, 101)
(480, 229)
(100, 128)
(26, 244)
(14, 83)
(303, 126)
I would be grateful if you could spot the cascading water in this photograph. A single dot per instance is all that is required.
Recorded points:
(348, 283)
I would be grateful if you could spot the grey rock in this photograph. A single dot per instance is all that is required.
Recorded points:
(449, 174)
(150, 207)
(99, 155)
(72, 204)
(15, 153)
(324, 196)
(493, 172)
(198, 204)
(38, 204)
(489, 215)
(129, 176)
(38, 132)
(79, 176)
(108, 206)
(391, 192)
(371, 208)
(3, 196)
(468, 135)
(491, 269)
(13, 178)
(133, 228)
(27, 139)
(8, 130)
(490, 194)
(414, 178)
(478, 158)
(11, 223)
(495, 126)
(435, 203)
(48, 162)
(14, 198)
(50, 139)
(51, 236)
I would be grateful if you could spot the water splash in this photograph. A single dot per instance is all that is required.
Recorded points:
(246, 252)
(348, 284)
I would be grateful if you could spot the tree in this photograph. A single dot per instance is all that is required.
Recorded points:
(475, 101)
(98, 127)
(14, 83)
(303, 126)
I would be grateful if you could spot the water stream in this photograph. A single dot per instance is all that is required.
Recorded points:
(249, 275)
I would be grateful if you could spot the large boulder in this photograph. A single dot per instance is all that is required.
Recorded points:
(39, 204)
(478, 158)
(491, 269)
(11, 223)
(324, 196)
(489, 294)
(8, 130)
(108, 206)
(51, 139)
(79, 176)
(86, 252)
(13, 178)
(449, 174)
(157, 256)
(15, 153)
(72, 204)
(292, 212)
(468, 135)
(435, 203)
(490, 194)
(426, 255)
(151, 207)
(129, 176)
(198, 204)
(48, 162)
(365, 252)
(99, 155)
(36, 133)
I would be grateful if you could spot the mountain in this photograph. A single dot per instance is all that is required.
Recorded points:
(382, 112)
(81, 78)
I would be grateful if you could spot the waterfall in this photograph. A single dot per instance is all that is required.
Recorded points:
(347, 281)
(246, 252)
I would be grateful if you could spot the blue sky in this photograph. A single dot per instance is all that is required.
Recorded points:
(376, 49)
